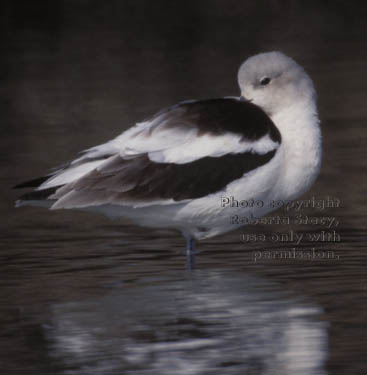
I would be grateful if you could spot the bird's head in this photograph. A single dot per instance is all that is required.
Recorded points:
(275, 82)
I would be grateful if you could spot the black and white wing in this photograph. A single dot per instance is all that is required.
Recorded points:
(185, 152)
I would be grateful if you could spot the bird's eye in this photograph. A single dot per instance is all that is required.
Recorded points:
(264, 81)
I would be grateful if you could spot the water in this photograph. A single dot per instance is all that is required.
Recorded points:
(83, 295)
(189, 324)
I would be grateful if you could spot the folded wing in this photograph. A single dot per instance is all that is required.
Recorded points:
(185, 152)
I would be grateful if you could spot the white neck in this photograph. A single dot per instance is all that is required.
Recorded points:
(300, 149)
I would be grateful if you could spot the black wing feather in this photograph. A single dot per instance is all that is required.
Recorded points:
(141, 179)
(32, 183)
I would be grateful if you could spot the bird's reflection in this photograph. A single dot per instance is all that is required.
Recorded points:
(193, 323)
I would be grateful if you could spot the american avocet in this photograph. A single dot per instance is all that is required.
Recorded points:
(174, 169)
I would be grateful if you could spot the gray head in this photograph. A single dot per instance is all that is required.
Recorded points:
(274, 82)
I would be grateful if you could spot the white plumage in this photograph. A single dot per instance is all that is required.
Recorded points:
(172, 170)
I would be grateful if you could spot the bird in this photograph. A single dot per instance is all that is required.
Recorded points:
(179, 168)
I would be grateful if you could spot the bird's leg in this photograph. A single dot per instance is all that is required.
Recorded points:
(190, 252)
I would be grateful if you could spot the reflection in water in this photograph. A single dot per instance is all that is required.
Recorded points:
(76, 74)
(202, 322)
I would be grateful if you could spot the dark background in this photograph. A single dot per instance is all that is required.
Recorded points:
(84, 70)
(75, 73)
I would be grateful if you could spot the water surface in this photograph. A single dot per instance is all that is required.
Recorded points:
(83, 295)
